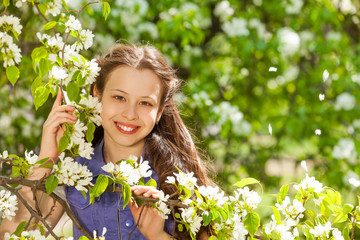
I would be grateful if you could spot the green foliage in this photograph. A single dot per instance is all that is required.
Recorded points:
(51, 183)
(13, 74)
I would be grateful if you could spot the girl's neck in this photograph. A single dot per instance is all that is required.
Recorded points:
(113, 152)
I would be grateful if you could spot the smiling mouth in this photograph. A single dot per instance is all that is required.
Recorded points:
(129, 129)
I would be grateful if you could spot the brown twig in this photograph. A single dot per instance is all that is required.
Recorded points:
(42, 15)
(138, 221)
(353, 227)
(31, 210)
(4, 181)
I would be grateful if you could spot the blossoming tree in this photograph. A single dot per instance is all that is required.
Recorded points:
(306, 210)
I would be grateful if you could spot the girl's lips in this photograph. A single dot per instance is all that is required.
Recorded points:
(126, 128)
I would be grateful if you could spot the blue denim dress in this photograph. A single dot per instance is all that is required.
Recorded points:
(104, 212)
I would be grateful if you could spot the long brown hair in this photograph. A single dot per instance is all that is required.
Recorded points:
(170, 144)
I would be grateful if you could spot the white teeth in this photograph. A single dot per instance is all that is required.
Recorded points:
(127, 129)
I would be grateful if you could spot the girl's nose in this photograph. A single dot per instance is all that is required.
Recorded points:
(130, 113)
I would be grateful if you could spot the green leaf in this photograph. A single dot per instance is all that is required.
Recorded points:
(35, 84)
(106, 9)
(37, 54)
(346, 233)
(51, 183)
(347, 208)
(282, 194)
(60, 27)
(20, 228)
(246, 181)
(84, 194)
(42, 7)
(64, 141)
(41, 95)
(207, 217)
(44, 66)
(99, 187)
(126, 194)
(13, 74)
(73, 91)
(49, 25)
(180, 227)
(151, 182)
(15, 171)
(65, 5)
(41, 161)
(277, 215)
(80, 80)
(6, 3)
(252, 222)
(90, 131)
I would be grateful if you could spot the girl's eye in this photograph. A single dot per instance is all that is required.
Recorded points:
(121, 98)
(145, 103)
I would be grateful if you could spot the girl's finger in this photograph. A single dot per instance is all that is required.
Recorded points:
(63, 108)
(57, 100)
(141, 189)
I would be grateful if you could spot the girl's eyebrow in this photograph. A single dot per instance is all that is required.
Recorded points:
(119, 90)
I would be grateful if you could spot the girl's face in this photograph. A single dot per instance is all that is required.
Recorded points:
(130, 106)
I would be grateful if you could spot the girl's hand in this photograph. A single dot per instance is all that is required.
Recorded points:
(53, 129)
(151, 224)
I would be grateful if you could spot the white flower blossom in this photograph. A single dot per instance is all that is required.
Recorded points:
(214, 194)
(8, 204)
(326, 75)
(289, 40)
(127, 172)
(11, 54)
(78, 138)
(11, 21)
(72, 24)
(94, 106)
(270, 129)
(4, 155)
(294, 7)
(345, 148)
(239, 232)
(354, 182)
(310, 183)
(170, 179)
(303, 165)
(86, 40)
(337, 234)
(317, 132)
(90, 70)
(236, 28)
(53, 7)
(31, 159)
(345, 101)
(321, 97)
(321, 230)
(246, 198)
(186, 179)
(102, 237)
(223, 10)
(192, 219)
(58, 73)
(55, 43)
(161, 205)
(72, 173)
(272, 69)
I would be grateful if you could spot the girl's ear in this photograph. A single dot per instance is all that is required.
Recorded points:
(161, 110)
(96, 93)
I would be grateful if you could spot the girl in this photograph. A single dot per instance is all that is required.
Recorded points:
(139, 117)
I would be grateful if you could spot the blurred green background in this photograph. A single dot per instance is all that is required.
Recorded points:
(222, 51)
